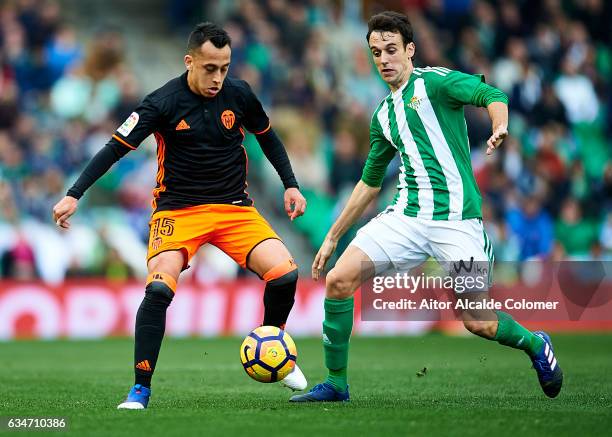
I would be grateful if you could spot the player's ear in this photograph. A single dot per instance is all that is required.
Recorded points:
(188, 59)
(410, 49)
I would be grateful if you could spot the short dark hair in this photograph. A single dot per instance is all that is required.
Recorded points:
(208, 32)
(390, 21)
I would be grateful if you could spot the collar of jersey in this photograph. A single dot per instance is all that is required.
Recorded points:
(401, 89)
(186, 85)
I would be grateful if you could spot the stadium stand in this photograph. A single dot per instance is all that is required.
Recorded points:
(66, 85)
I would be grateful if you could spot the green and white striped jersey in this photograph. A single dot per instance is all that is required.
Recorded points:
(425, 123)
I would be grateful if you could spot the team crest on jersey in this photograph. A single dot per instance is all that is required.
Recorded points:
(228, 118)
(156, 243)
(129, 124)
(414, 103)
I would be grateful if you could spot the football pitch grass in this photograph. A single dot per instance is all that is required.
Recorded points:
(471, 387)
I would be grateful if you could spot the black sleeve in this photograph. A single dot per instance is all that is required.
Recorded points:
(140, 124)
(277, 155)
(99, 164)
(255, 118)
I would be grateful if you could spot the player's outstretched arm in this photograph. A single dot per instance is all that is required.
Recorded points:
(361, 197)
(98, 165)
(139, 125)
(498, 111)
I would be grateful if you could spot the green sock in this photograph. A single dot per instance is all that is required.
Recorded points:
(338, 379)
(511, 333)
(337, 328)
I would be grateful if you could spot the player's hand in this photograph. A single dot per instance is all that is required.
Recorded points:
(295, 204)
(325, 252)
(63, 210)
(496, 139)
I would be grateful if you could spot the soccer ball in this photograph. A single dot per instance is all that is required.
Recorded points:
(268, 354)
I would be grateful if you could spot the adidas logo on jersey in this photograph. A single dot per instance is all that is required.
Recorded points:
(182, 125)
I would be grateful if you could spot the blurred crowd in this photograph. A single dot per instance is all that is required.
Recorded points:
(547, 191)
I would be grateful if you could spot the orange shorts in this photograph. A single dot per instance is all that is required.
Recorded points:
(236, 230)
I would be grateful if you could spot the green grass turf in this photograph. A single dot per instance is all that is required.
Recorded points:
(471, 387)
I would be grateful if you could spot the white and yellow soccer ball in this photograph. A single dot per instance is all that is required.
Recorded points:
(268, 354)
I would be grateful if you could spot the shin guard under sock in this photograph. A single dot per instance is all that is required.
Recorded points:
(279, 297)
(151, 325)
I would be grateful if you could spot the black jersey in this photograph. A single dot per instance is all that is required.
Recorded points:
(201, 159)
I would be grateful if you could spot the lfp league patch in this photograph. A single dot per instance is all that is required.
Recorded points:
(129, 124)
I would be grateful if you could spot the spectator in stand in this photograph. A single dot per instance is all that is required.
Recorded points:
(91, 90)
(533, 227)
(62, 52)
(18, 262)
(575, 235)
(346, 163)
(577, 93)
(548, 109)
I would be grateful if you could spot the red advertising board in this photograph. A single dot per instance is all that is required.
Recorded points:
(98, 308)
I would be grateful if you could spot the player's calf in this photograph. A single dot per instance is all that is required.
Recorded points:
(340, 285)
(151, 325)
(502, 328)
(279, 295)
(513, 334)
(482, 328)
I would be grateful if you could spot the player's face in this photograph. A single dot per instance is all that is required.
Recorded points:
(207, 68)
(393, 59)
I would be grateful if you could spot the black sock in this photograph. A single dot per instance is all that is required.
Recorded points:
(150, 327)
(279, 297)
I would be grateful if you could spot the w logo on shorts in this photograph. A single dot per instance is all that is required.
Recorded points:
(464, 266)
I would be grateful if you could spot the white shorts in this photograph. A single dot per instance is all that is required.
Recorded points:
(393, 240)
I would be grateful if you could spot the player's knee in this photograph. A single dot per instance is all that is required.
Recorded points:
(338, 286)
(160, 288)
(285, 279)
(482, 328)
(281, 274)
(171, 262)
